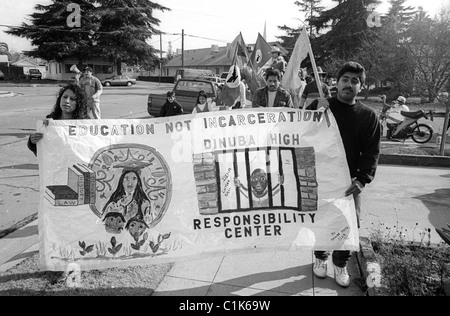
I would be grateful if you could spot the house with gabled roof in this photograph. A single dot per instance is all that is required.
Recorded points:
(213, 58)
(32, 63)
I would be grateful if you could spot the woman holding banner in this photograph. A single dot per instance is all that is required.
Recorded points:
(71, 104)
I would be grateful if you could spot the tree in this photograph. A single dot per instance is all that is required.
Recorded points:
(348, 29)
(115, 29)
(428, 44)
(49, 32)
(124, 27)
(310, 9)
(400, 17)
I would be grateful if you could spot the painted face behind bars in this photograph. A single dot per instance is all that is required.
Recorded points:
(259, 183)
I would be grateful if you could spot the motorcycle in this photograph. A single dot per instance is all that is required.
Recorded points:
(408, 128)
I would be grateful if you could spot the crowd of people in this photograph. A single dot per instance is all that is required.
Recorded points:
(358, 124)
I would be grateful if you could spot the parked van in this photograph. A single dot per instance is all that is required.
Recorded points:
(193, 74)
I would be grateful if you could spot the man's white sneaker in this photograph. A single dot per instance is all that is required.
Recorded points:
(320, 268)
(341, 276)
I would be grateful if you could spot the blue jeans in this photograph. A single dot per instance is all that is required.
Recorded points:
(340, 257)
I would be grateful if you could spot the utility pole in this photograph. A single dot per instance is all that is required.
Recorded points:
(182, 49)
(160, 59)
(446, 122)
(444, 129)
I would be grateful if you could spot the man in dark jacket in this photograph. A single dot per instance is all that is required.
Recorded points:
(272, 95)
(361, 134)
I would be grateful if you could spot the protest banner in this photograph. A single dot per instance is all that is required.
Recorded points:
(116, 193)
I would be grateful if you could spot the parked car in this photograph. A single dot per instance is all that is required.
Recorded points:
(223, 77)
(186, 92)
(192, 74)
(34, 74)
(2, 75)
(118, 81)
(214, 79)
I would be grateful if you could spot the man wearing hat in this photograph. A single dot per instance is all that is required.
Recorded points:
(393, 116)
(278, 61)
(93, 88)
(311, 92)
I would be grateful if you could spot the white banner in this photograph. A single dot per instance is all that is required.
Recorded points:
(134, 192)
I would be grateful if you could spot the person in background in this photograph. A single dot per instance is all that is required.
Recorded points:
(278, 61)
(311, 92)
(204, 104)
(297, 94)
(93, 89)
(391, 114)
(70, 104)
(273, 95)
(361, 134)
(171, 107)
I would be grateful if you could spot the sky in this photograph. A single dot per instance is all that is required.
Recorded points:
(205, 22)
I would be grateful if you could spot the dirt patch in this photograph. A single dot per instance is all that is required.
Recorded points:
(25, 279)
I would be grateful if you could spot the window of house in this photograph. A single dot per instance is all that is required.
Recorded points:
(103, 69)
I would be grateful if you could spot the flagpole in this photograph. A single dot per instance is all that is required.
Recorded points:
(317, 78)
(316, 73)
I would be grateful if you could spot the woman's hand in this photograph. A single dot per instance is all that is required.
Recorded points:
(36, 137)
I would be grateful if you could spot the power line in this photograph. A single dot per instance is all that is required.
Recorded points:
(99, 32)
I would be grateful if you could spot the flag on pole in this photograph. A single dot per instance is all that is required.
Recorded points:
(291, 81)
(261, 54)
(265, 30)
(238, 52)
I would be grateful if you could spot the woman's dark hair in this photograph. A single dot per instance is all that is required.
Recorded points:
(355, 68)
(81, 110)
(201, 93)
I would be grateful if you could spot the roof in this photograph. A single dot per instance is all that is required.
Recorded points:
(28, 62)
(204, 57)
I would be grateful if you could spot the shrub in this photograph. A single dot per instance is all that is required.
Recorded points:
(411, 268)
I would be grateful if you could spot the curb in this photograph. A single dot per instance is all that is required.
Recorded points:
(415, 161)
(371, 270)
(18, 225)
(29, 85)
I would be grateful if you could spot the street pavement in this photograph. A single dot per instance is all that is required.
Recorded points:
(411, 200)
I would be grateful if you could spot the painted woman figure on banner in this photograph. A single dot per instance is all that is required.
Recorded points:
(129, 199)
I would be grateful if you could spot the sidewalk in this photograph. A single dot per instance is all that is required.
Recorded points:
(416, 198)
(260, 274)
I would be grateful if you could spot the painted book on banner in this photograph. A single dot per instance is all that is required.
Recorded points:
(61, 195)
(86, 181)
(89, 175)
(64, 202)
(75, 181)
(61, 192)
